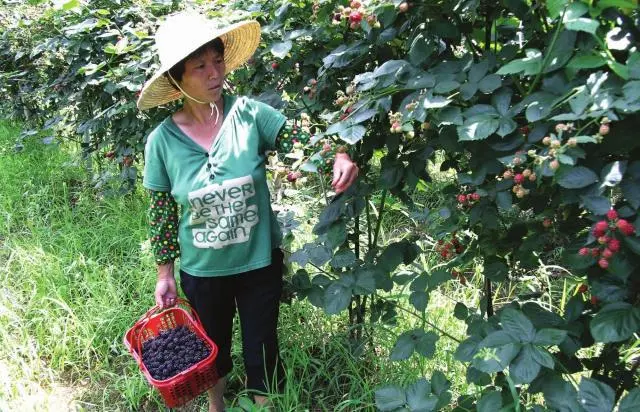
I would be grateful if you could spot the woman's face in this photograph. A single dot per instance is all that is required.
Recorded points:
(203, 76)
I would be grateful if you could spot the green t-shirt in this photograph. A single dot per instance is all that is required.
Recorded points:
(227, 225)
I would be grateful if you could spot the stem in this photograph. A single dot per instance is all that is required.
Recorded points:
(324, 191)
(547, 55)
(366, 199)
(379, 222)
(487, 286)
(514, 393)
(487, 28)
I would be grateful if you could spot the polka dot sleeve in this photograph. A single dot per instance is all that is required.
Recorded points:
(163, 227)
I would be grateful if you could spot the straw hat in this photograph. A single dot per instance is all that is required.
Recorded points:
(183, 33)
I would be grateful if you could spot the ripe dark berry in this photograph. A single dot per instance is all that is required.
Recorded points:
(612, 214)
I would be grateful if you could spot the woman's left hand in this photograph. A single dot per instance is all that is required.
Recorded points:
(345, 172)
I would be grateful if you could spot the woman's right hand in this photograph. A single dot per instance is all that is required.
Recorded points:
(166, 292)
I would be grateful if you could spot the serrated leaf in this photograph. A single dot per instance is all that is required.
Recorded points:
(595, 396)
(549, 336)
(435, 102)
(365, 282)
(615, 322)
(530, 65)
(524, 368)
(478, 128)
(389, 398)
(577, 177)
(352, 135)
(419, 397)
(542, 357)
(586, 61)
(598, 205)
(439, 383)
(490, 402)
(554, 7)
(490, 83)
(404, 347)
(478, 71)
(517, 325)
(450, 115)
(281, 49)
(343, 259)
(582, 24)
(426, 345)
(497, 338)
(419, 300)
(631, 402)
(498, 359)
(336, 298)
(460, 311)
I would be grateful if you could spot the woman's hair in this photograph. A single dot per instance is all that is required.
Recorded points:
(178, 69)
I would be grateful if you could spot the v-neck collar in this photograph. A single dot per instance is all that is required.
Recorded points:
(228, 111)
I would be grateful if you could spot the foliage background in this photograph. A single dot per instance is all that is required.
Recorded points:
(549, 89)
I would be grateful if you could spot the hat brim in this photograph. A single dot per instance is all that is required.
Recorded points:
(240, 43)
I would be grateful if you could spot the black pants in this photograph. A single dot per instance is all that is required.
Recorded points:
(256, 295)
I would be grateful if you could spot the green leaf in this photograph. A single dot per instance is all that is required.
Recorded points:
(561, 52)
(615, 322)
(582, 24)
(420, 50)
(497, 338)
(633, 243)
(365, 282)
(280, 50)
(435, 102)
(555, 7)
(450, 115)
(478, 71)
(577, 177)
(404, 347)
(419, 397)
(468, 90)
(530, 65)
(595, 396)
(598, 205)
(586, 61)
(490, 83)
(478, 128)
(336, 298)
(517, 325)
(524, 368)
(492, 360)
(631, 402)
(343, 259)
(426, 345)
(560, 395)
(575, 10)
(439, 383)
(460, 311)
(446, 86)
(352, 135)
(574, 308)
(549, 336)
(477, 377)
(490, 402)
(437, 278)
(389, 398)
(419, 300)
(542, 357)
(496, 271)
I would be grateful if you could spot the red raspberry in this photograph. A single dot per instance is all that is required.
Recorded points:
(584, 251)
(595, 252)
(355, 17)
(603, 239)
(462, 198)
(607, 253)
(604, 129)
(612, 214)
(454, 274)
(476, 196)
(600, 228)
(518, 178)
(274, 65)
(614, 245)
(603, 263)
(583, 288)
(469, 197)
(547, 223)
(625, 227)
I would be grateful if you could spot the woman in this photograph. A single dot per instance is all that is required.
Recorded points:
(209, 158)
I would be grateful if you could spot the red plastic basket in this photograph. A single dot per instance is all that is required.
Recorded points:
(188, 384)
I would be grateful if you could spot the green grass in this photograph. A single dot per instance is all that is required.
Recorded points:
(77, 272)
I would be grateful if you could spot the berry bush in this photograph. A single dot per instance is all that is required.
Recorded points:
(533, 107)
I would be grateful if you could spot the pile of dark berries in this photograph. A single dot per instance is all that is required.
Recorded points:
(172, 352)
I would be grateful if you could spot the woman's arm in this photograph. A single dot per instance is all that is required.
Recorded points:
(163, 234)
(328, 157)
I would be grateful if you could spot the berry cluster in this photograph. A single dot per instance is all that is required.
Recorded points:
(448, 250)
(467, 200)
(354, 14)
(604, 231)
(172, 352)
(519, 178)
